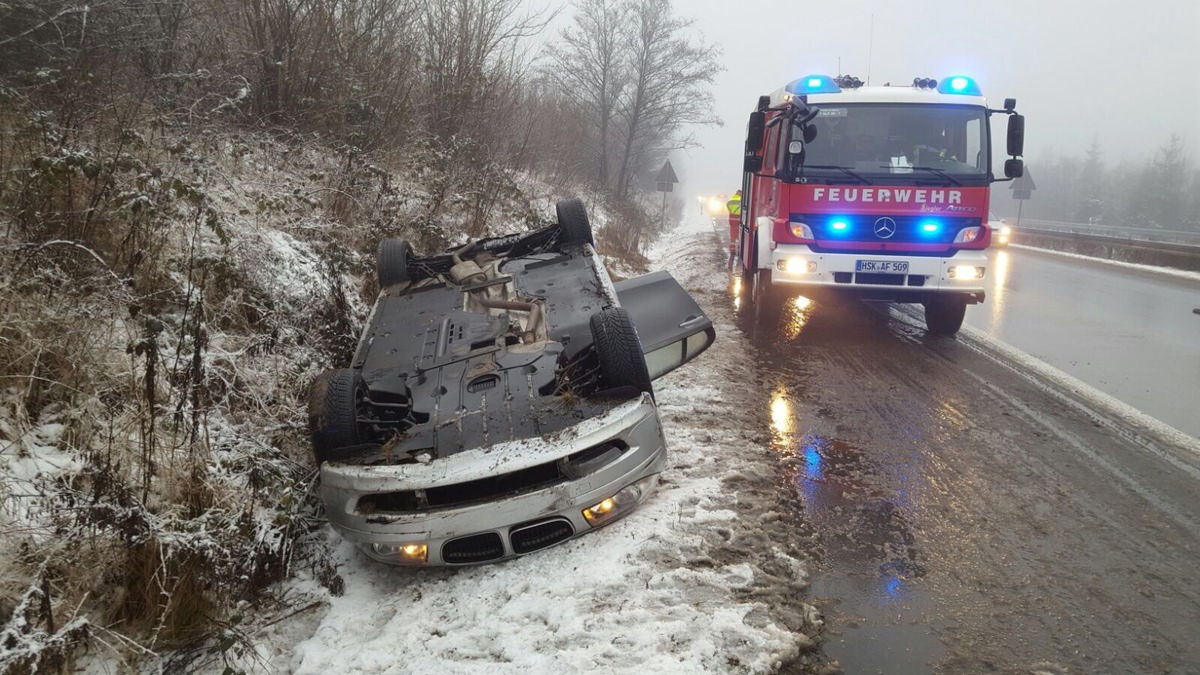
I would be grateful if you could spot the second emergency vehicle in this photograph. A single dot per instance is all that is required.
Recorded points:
(877, 192)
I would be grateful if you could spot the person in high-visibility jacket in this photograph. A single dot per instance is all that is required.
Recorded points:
(735, 219)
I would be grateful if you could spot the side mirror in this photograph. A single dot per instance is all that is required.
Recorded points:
(754, 131)
(810, 133)
(1016, 135)
(752, 163)
(1014, 168)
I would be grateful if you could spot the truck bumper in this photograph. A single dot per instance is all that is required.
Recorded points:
(798, 266)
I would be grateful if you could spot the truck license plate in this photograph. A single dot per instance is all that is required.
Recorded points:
(888, 266)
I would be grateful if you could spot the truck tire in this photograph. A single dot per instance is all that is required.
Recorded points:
(622, 362)
(944, 315)
(573, 219)
(769, 299)
(333, 412)
(392, 262)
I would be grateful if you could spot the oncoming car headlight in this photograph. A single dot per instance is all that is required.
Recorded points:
(625, 500)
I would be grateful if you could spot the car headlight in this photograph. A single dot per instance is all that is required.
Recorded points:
(409, 553)
(625, 500)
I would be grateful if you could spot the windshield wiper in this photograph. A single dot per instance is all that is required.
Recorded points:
(930, 169)
(843, 169)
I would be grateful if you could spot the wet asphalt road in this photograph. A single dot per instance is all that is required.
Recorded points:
(1131, 334)
(967, 517)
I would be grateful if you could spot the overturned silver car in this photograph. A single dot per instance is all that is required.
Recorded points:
(500, 399)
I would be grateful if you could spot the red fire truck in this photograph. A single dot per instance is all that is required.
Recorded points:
(876, 192)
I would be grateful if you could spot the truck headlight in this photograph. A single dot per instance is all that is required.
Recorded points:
(625, 500)
(967, 235)
(796, 266)
(801, 230)
(966, 272)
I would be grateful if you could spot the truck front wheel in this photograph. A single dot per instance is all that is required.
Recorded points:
(944, 315)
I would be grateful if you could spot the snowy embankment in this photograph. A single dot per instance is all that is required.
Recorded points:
(700, 579)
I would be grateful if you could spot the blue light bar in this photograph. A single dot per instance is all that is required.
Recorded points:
(959, 84)
(814, 84)
(930, 226)
(839, 225)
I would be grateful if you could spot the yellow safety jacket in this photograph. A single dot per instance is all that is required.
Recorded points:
(734, 205)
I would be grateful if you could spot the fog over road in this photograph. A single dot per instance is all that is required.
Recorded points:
(969, 514)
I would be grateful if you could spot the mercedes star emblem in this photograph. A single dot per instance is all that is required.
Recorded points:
(885, 227)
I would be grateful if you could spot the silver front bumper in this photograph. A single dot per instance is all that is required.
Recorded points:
(379, 534)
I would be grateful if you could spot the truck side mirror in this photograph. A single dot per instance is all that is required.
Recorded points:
(1014, 168)
(754, 131)
(1016, 135)
(810, 133)
(752, 164)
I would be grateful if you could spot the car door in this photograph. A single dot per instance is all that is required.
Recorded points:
(671, 326)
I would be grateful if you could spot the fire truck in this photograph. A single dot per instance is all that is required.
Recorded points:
(879, 193)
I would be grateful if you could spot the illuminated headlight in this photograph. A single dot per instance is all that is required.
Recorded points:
(621, 503)
(966, 272)
(967, 235)
(801, 230)
(407, 553)
(796, 266)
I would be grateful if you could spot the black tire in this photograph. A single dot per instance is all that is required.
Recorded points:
(622, 362)
(392, 262)
(573, 219)
(769, 299)
(333, 412)
(944, 315)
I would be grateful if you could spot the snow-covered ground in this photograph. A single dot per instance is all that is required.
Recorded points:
(700, 579)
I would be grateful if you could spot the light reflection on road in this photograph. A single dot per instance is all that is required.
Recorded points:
(1000, 264)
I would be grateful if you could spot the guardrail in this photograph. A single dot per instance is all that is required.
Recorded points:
(1126, 249)
(1117, 231)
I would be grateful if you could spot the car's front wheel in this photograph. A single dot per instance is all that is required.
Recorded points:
(622, 363)
(333, 412)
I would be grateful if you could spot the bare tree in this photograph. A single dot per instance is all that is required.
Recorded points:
(668, 73)
(590, 67)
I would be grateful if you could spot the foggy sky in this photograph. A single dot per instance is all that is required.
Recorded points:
(1127, 73)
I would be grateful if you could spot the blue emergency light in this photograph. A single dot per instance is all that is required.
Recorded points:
(930, 226)
(814, 84)
(959, 84)
(839, 224)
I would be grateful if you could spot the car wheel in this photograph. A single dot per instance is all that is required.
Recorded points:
(622, 363)
(944, 315)
(573, 219)
(392, 262)
(333, 412)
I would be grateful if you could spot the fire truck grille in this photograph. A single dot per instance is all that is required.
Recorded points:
(874, 229)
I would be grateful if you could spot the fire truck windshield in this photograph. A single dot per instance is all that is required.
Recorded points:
(889, 138)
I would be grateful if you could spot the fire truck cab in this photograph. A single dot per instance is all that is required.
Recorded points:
(876, 192)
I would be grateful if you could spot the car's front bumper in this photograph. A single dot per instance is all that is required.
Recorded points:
(498, 527)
